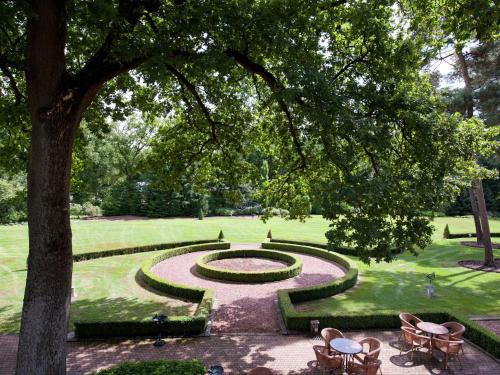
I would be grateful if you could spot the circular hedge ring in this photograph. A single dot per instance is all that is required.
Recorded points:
(294, 266)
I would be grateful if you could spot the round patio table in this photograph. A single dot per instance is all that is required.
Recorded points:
(346, 347)
(432, 329)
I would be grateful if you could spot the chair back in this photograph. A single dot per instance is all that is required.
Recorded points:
(411, 337)
(325, 360)
(261, 371)
(374, 347)
(456, 329)
(328, 334)
(371, 367)
(452, 346)
(409, 320)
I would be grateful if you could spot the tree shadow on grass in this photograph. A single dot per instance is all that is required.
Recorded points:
(121, 309)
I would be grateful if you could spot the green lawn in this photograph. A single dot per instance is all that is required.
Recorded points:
(107, 287)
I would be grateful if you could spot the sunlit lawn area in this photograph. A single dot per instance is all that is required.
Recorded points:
(107, 287)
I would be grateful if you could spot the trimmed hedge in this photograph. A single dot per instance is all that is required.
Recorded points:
(174, 325)
(170, 367)
(136, 249)
(468, 235)
(324, 246)
(294, 268)
(330, 288)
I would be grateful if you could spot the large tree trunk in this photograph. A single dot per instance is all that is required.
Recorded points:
(475, 214)
(488, 248)
(42, 341)
(478, 205)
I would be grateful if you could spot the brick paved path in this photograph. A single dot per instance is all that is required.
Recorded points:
(245, 307)
(290, 355)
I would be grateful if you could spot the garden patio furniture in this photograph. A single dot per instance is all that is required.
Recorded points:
(328, 334)
(325, 360)
(456, 331)
(346, 347)
(414, 341)
(261, 371)
(371, 367)
(408, 320)
(450, 348)
(374, 346)
(432, 329)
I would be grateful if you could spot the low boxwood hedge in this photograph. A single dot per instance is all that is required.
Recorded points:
(467, 235)
(136, 249)
(294, 268)
(323, 290)
(175, 325)
(341, 250)
(192, 367)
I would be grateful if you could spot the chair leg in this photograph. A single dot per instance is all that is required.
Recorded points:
(459, 361)
(445, 363)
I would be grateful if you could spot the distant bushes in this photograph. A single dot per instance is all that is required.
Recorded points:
(85, 209)
(13, 207)
(170, 367)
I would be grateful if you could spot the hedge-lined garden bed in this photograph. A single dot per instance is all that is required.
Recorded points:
(174, 325)
(136, 249)
(170, 367)
(324, 246)
(294, 266)
(300, 321)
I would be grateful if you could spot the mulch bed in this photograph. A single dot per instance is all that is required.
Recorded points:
(475, 244)
(492, 325)
(478, 265)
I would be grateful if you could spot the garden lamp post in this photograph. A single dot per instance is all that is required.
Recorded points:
(159, 320)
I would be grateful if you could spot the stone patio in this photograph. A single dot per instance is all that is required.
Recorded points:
(238, 353)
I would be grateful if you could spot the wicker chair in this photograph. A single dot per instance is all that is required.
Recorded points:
(409, 320)
(328, 334)
(374, 348)
(325, 361)
(261, 371)
(414, 341)
(450, 348)
(371, 367)
(456, 332)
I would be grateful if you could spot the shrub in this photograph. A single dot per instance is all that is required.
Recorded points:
(85, 209)
(294, 268)
(221, 236)
(222, 211)
(446, 232)
(192, 367)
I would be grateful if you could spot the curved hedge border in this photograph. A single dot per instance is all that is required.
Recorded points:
(467, 235)
(164, 367)
(136, 249)
(324, 246)
(174, 325)
(294, 268)
(299, 321)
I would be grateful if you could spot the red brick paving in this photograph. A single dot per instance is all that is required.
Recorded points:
(238, 354)
(246, 307)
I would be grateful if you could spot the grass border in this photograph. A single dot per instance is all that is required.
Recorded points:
(294, 266)
(174, 325)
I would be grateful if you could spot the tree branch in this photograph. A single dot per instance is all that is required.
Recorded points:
(348, 65)
(192, 89)
(277, 88)
(13, 84)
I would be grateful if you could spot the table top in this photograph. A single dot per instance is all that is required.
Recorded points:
(346, 346)
(432, 328)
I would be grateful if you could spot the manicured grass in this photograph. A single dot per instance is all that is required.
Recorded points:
(106, 287)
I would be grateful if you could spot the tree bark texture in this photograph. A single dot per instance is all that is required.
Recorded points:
(475, 214)
(42, 341)
(488, 248)
(478, 205)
